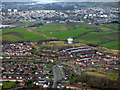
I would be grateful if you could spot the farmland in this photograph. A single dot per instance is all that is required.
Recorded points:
(105, 35)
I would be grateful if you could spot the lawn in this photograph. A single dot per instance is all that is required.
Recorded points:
(8, 84)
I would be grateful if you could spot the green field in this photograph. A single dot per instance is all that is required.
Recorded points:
(98, 37)
(63, 35)
(10, 37)
(108, 75)
(112, 26)
(63, 31)
(103, 35)
(114, 45)
(8, 84)
(28, 36)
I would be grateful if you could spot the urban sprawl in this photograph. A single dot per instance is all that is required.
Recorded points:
(49, 67)
(92, 15)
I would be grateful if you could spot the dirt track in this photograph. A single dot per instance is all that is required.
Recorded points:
(38, 33)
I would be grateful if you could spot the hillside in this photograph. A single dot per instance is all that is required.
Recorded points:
(105, 35)
(102, 35)
(20, 34)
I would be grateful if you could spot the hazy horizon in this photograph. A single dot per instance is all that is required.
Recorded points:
(50, 1)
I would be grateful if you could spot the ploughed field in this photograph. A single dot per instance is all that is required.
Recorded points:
(103, 35)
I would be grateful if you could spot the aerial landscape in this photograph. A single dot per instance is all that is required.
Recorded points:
(60, 46)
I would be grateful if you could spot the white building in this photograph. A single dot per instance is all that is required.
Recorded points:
(15, 10)
(70, 40)
(4, 26)
(9, 10)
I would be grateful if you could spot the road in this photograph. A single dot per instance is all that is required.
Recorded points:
(75, 69)
(57, 76)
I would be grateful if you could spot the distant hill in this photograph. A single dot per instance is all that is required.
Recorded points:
(21, 6)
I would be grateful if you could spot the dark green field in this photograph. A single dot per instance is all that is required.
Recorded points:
(103, 35)
(25, 35)
(8, 84)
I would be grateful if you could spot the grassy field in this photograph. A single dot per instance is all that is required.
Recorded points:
(8, 84)
(111, 76)
(105, 35)
(28, 36)
(98, 37)
(63, 35)
(114, 45)
(10, 37)
(102, 35)
(63, 31)
(112, 26)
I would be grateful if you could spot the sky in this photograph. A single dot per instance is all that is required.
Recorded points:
(60, 0)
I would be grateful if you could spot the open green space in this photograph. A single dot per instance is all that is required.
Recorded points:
(9, 37)
(112, 76)
(111, 26)
(108, 75)
(62, 31)
(52, 27)
(63, 35)
(105, 35)
(27, 36)
(102, 35)
(107, 39)
(112, 45)
(8, 84)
